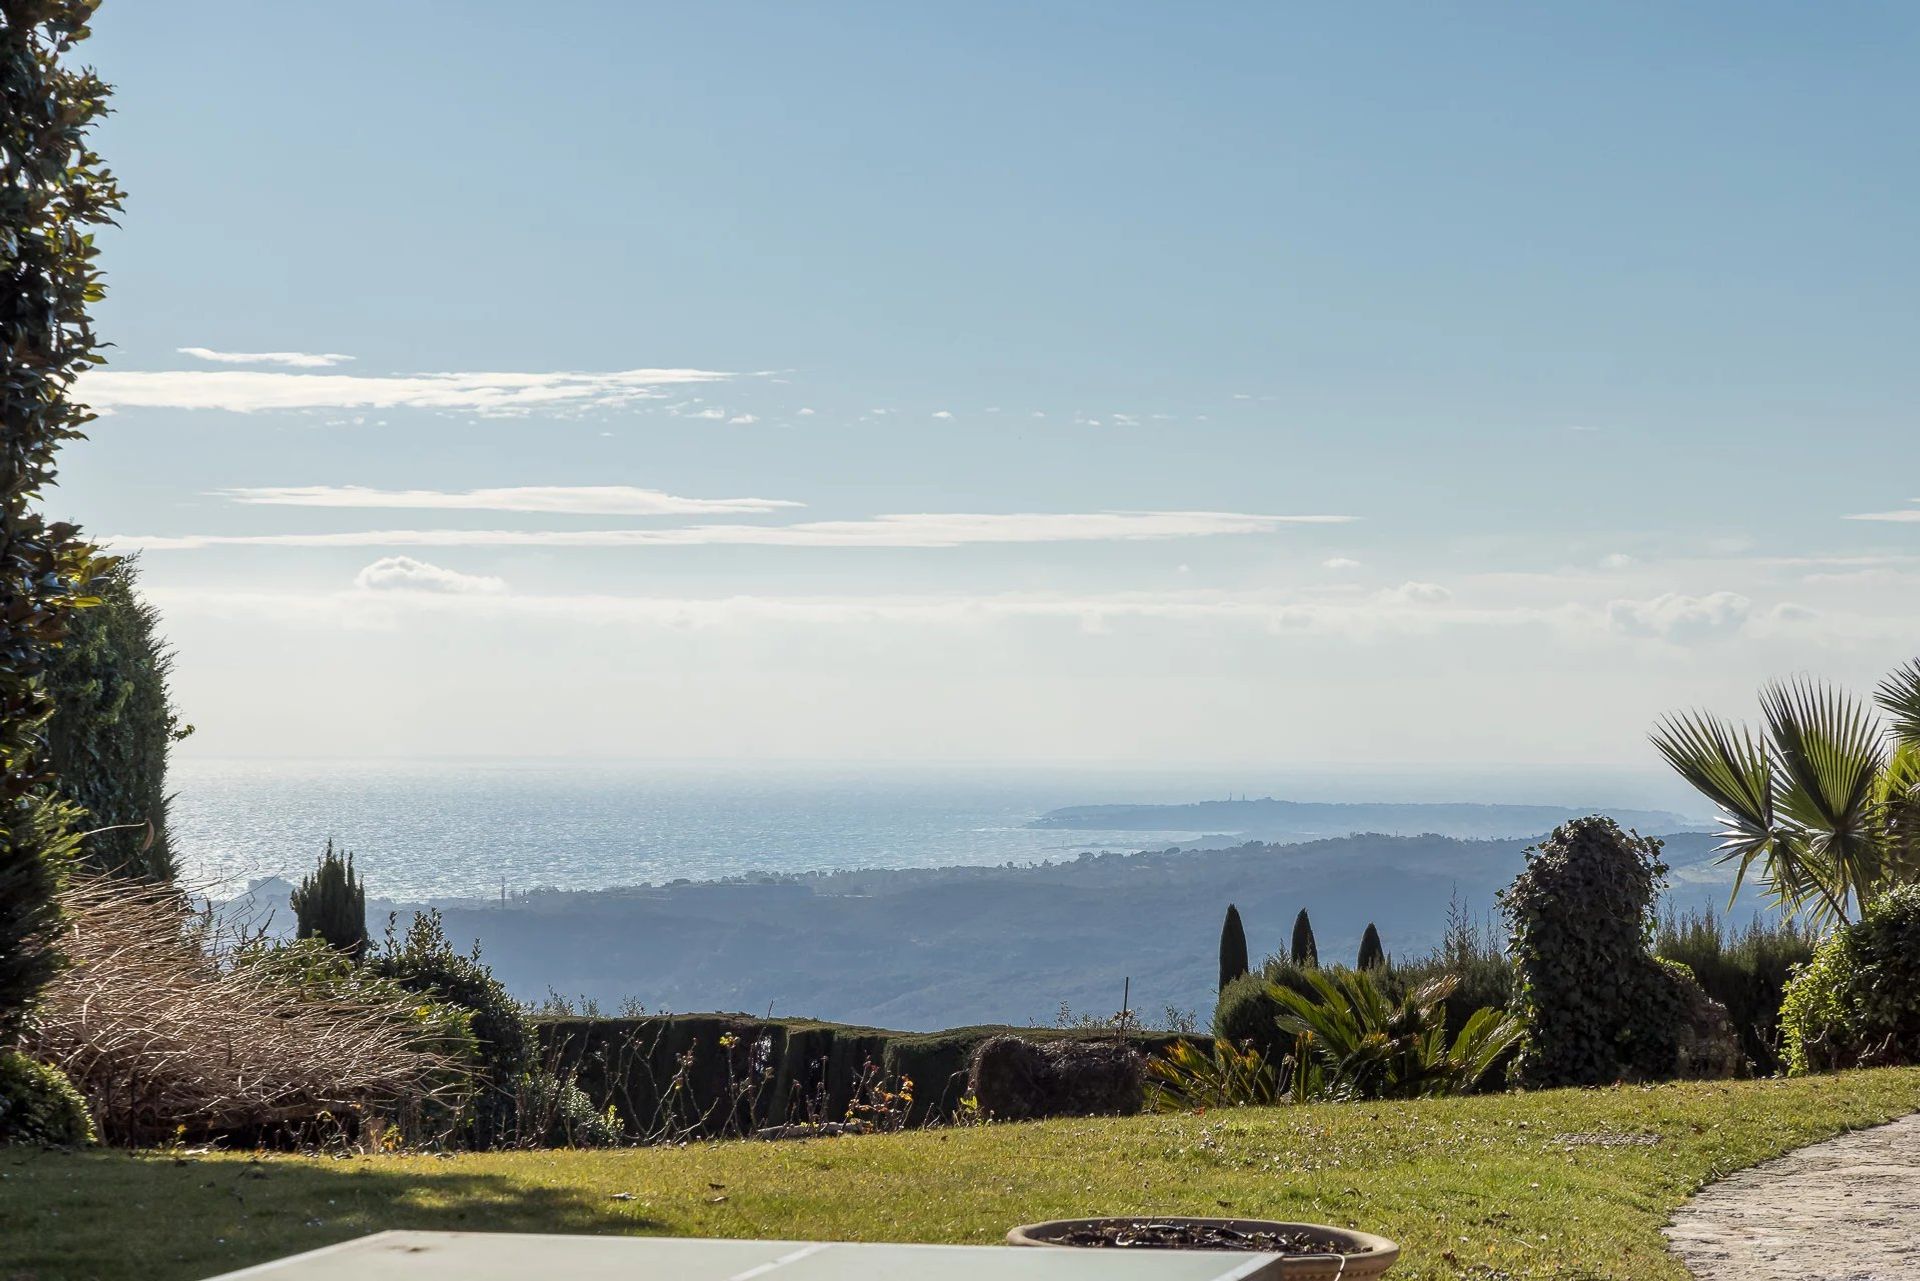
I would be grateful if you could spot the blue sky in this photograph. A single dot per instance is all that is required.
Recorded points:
(1592, 327)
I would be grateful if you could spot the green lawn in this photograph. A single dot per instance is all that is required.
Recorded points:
(1560, 1184)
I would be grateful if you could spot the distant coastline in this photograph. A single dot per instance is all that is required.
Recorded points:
(1269, 819)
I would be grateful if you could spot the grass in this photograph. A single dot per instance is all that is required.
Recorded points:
(1563, 1184)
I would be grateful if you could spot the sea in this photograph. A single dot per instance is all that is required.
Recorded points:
(467, 827)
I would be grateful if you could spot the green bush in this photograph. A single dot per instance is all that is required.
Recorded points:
(1598, 1007)
(1857, 1003)
(425, 962)
(1244, 1017)
(113, 725)
(331, 905)
(39, 1105)
(1183, 1077)
(1746, 971)
(1360, 1044)
(556, 1113)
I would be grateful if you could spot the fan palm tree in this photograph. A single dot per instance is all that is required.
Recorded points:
(1826, 799)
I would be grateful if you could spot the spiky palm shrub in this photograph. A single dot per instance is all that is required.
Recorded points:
(1355, 1042)
(1304, 951)
(1233, 948)
(1373, 956)
(113, 726)
(1825, 801)
(52, 188)
(331, 905)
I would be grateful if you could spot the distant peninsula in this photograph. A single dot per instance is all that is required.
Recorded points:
(1267, 819)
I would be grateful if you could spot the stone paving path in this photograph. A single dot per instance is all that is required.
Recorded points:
(1844, 1210)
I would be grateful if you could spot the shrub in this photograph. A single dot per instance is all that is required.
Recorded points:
(1745, 971)
(38, 1104)
(113, 726)
(1183, 1077)
(162, 1027)
(1361, 1045)
(1013, 1079)
(1598, 1007)
(1233, 948)
(1245, 1014)
(424, 961)
(331, 905)
(1705, 1043)
(1857, 1003)
(1304, 951)
(554, 1112)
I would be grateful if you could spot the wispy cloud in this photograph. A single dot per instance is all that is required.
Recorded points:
(257, 391)
(405, 574)
(1902, 515)
(584, 500)
(925, 529)
(300, 359)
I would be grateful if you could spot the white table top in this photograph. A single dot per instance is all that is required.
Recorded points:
(503, 1256)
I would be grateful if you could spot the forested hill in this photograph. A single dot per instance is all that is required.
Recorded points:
(1267, 819)
(941, 947)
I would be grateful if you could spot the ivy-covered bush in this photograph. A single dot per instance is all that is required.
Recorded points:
(1857, 1003)
(1599, 1007)
(424, 961)
(1745, 970)
(113, 726)
(39, 1105)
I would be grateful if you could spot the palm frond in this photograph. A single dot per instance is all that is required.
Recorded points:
(1899, 698)
(1831, 752)
(1897, 803)
(1731, 767)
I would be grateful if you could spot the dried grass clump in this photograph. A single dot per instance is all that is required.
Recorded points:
(166, 1035)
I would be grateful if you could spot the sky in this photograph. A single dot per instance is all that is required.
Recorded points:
(1078, 383)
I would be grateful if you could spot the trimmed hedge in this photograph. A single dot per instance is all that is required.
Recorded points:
(711, 1074)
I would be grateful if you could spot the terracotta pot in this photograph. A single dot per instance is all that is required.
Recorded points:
(1362, 1256)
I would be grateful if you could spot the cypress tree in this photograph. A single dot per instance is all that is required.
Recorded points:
(1372, 955)
(1233, 948)
(331, 905)
(53, 190)
(113, 727)
(1304, 951)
